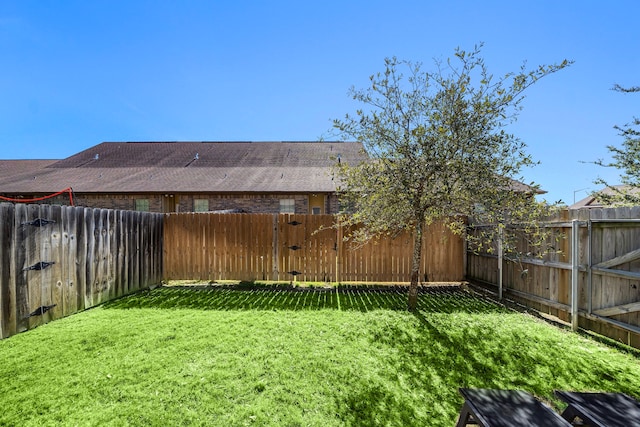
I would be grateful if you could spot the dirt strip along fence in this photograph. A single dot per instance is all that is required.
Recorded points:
(58, 260)
(600, 259)
(287, 247)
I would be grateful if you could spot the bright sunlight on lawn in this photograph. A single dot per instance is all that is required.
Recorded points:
(217, 356)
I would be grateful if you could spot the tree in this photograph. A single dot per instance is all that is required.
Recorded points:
(439, 150)
(627, 159)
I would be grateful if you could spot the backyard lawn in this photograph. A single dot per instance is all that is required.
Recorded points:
(276, 357)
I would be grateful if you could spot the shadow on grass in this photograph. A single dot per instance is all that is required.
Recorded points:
(443, 299)
(455, 339)
(495, 352)
(427, 358)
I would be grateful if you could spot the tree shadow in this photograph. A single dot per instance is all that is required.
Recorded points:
(454, 339)
(375, 400)
(246, 296)
(457, 348)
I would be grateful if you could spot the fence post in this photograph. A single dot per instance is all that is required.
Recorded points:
(575, 270)
(500, 258)
(275, 254)
(339, 252)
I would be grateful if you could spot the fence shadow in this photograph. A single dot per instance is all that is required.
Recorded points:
(442, 299)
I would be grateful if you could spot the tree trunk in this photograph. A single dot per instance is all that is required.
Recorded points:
(415, 268)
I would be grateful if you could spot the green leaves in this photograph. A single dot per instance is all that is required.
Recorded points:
(627, 159)
(438, 145)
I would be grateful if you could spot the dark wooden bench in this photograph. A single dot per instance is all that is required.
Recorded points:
(601, 409)
(506, 408)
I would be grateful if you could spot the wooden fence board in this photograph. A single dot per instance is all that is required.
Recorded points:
(235, 253)
(42, 241)
(214, 255)
(145, 251)
(634, 288)
(621, 289)
(33, 278)
(102, 249)
(608, 252)
(612, 288)
(89, 249)
(7, 271)
(134, 250)
(118, 253)
(264, 246)
(53, 277)
(72, 283)
(135, 239)
(79, 258)
(19, 279)
(205, 257)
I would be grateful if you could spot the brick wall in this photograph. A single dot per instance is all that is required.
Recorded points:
(260, 203)
(331, 204)
(118, 201)
(253, 203)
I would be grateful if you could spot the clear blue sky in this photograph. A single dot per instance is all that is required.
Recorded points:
(77, 73)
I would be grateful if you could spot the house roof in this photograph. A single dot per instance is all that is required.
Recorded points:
(592, 201)
(124, 167)
(524, 188)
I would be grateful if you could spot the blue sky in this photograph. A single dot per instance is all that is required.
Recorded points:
(77, 73)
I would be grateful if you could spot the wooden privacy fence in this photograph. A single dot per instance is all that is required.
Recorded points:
(594, 281)
(58, 260)
(279, 247)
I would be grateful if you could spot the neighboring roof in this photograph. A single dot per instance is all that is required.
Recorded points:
(525, 188)
(591, 201)
(125, 167)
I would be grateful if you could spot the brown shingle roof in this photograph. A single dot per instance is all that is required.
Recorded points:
(21, 170)
(592, 200)
(113, 167)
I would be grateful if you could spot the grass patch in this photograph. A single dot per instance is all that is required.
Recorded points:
(282, 357)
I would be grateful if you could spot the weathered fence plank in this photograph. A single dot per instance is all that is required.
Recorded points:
(81, 257)
(70, 278)
(32, 277)
(54, 274)
(7, 271)
(58, 260)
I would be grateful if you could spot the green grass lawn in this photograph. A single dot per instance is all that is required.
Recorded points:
(276, 357)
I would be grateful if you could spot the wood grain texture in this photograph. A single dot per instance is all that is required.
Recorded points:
(79, 258)
(611, 289)
(271, 247)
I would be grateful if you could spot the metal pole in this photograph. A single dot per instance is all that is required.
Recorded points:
(590, 273)
(575, 270)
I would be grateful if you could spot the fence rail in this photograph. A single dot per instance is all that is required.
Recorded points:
(299, 247)
(58, 260)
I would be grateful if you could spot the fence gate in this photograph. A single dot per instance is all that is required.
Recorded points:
(307, 248)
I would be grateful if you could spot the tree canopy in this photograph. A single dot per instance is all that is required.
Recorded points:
(439, 149)
(627, 160)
